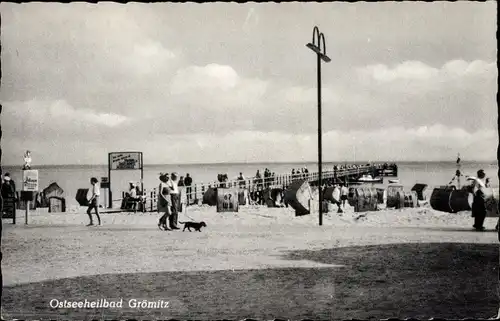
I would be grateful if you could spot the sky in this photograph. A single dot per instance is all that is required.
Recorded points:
(227, 82)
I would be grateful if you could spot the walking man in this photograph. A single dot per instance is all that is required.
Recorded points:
(188, 180)
(478, 203)
(94, 201)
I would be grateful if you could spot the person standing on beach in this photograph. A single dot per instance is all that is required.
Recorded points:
(8, 188)
(336, 197)
(94, 201)
(343, 194)
(478, 204)
(164, 202)
(174, 194)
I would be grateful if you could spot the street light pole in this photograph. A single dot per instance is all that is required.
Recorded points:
(320, 146)
(321, 55)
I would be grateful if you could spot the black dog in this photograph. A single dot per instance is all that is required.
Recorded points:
(196, 225)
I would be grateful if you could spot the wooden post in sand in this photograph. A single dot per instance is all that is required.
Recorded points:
(27, 211)
(30, 186)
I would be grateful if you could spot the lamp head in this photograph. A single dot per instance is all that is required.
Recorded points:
(317, 50)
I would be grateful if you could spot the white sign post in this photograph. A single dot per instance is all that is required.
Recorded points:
(124, 161)
(30, 184)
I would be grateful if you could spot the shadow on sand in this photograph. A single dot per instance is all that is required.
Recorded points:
(423, 280)
(457, 229)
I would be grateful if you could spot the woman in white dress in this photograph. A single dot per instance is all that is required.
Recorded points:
(164, 202)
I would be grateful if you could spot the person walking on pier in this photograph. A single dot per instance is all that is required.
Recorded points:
(94, 201)
(257, 179)
(188, 181)
(164, 202)
(266, 178)
(241, 180)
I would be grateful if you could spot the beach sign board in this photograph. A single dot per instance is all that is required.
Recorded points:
(125, 160)
(9, 208)
(227, 200)
(104, 182)
(30, 180)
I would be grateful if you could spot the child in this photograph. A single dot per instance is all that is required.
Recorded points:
(94, 201)
(336, 198)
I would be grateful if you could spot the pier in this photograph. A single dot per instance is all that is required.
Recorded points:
(342, 173)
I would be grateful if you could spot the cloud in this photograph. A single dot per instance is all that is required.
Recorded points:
(406, 70)
(208, 78)
(305, 95)
(435, 142)
(463, 68)
(148, 57)
(98, 76)
(458, 94)
(57, 133)
(419, 71)
(211, 98)
(107, 57)
(36, 117)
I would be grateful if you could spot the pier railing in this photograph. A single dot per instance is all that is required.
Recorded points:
(194, 194)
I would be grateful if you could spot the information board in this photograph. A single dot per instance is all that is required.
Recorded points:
(227, 200)
(104, 182)
(9, 208)
(125, 160)
(30, 180)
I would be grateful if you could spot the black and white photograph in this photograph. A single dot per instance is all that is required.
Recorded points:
(254, 160)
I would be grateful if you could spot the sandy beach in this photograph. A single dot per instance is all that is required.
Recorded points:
(59, 245)
(259, 262)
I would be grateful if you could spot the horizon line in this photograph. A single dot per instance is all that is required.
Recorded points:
(279, 162)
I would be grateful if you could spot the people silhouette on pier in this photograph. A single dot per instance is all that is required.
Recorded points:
(188, 181)
(241, 180)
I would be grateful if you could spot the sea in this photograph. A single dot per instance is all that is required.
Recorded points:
(73, 177)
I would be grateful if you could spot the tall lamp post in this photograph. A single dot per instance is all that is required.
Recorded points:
(320, 51)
